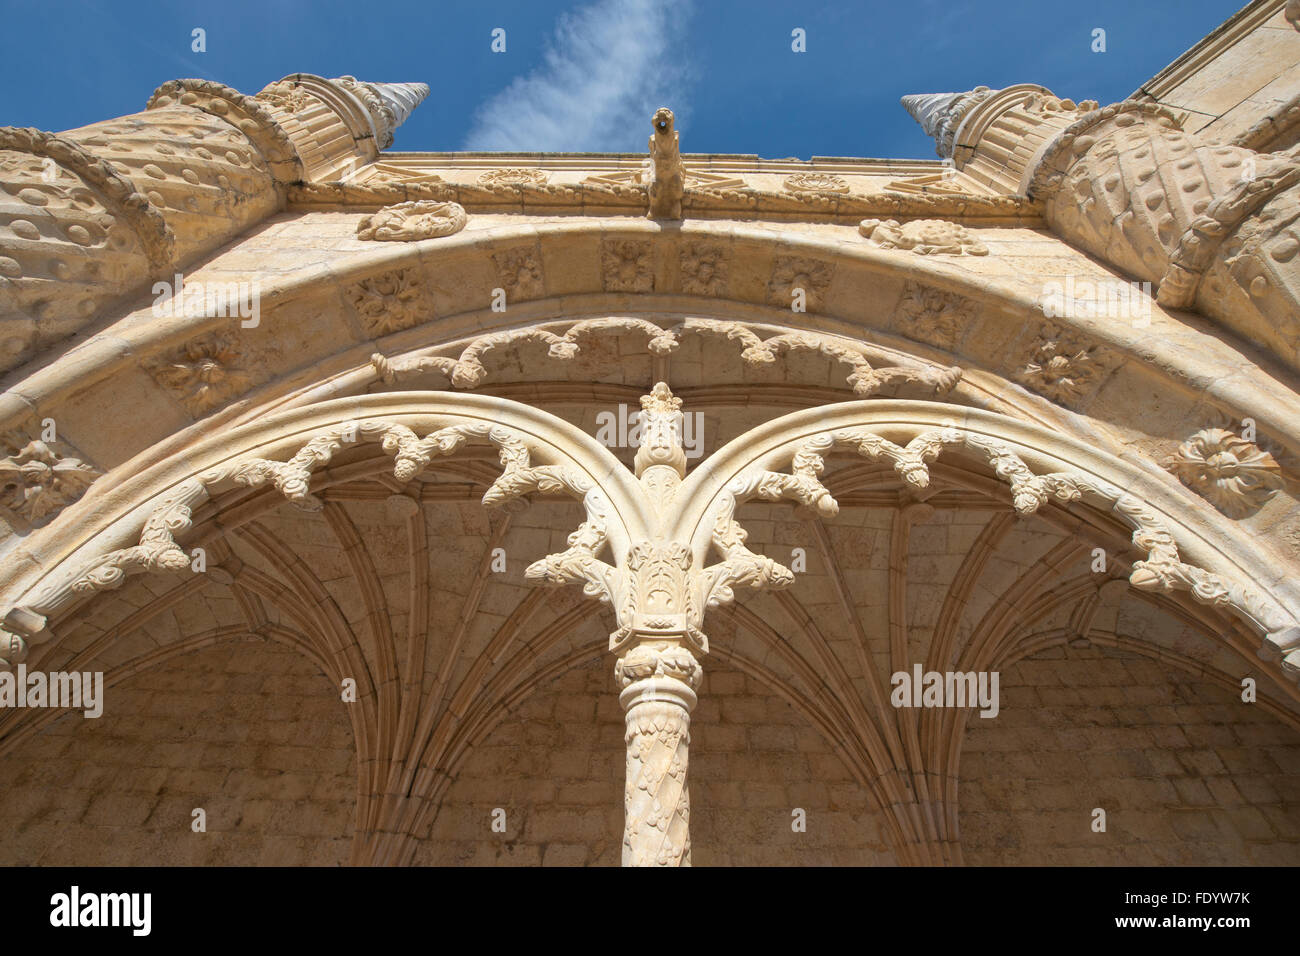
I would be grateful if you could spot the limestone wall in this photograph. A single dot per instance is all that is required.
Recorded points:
(251, 732)
(1188, 775)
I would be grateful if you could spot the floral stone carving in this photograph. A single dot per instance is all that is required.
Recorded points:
(934, 315)
(37, 481)
(626, 265)
(791, 272)
(205, 373)
(1064, 368)
(703, 268)
(1234, 475)
(389, 302)
(513, 177)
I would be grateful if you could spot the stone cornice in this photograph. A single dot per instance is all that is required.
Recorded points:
(618, 199)
(1223, 38)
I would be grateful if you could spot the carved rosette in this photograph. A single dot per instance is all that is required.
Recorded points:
(934, 315)
(703, 268)
(203, 374)
(1064, 367)
(521, 273)
(1234, 475)
(659, 679)
(627, 266)
(409, 221)
(790, 273)
(390, 301)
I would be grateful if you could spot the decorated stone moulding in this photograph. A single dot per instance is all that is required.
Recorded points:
(388, 105)
(1200, 243)
(411, 221)
(941, 114)
(250, 116)
(1274, 128)
(1041, 102)
(287, 97)
(871, 371)
(923, 236)
(1231, 473)
(118, 191)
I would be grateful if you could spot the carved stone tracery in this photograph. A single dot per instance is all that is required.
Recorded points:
(468, 371)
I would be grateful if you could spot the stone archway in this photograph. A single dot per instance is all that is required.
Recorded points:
(660, 533)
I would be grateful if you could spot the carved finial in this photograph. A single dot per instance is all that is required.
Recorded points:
(666, 161)
(389, 104)
(661, 399)
(661, 432)
(941, 113)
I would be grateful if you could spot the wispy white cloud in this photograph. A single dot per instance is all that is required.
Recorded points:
(607, 69)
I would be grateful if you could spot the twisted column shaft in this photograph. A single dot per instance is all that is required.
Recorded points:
(659, 678)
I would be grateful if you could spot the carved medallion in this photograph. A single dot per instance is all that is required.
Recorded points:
(513, 177)
(389, 301)
(816, 183)
(934, 315)
(626, 265)
(409, 221)
(1064, 367)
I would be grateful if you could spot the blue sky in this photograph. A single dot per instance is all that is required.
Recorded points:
(587, 75)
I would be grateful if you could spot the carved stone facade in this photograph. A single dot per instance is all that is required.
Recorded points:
(757, 436)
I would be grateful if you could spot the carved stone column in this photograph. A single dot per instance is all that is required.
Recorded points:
(659, 593)
(659, 679)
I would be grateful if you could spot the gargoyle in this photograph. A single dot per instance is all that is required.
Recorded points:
(666, 186)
